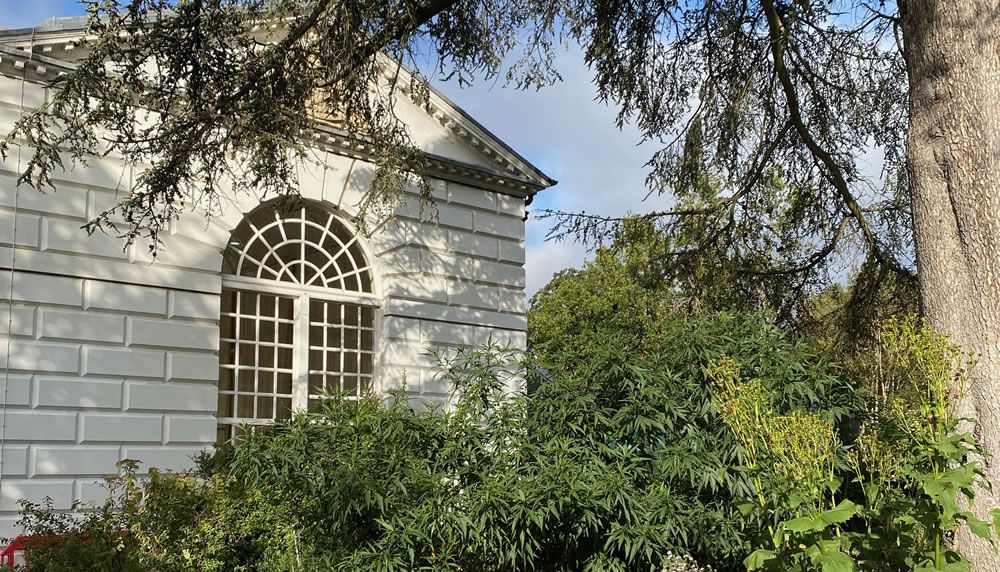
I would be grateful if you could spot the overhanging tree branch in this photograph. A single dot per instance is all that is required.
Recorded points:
(778, 35)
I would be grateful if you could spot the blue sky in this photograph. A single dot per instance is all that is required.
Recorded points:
(561, 129)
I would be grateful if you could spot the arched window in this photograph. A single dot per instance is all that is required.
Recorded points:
(298, 315)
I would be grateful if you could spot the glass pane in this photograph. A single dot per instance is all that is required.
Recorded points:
(248, 303)
(285, 383)
(316, 360)
(315, 383)
(284, 408)
(265, 407)
(225, 408)
(351, 283)
(267, 331)
(228, 301)
(226, 379)
(246, 329)
(265, 382)
(272, 235)
(227, 327)
(245, 353)
(286, 308)
(244, 406)
(350, 362)
(227, 352)
(351, 338)
(351, 316)
(267, 305)
(246, 380)
(265, 356)
(285, 358)
(350, 385)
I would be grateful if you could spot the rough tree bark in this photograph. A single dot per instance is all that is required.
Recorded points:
(952, 50)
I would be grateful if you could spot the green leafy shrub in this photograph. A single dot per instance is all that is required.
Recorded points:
(97, 540)
(170, 522)
(725, 442)
(620, 466)
(890, 500)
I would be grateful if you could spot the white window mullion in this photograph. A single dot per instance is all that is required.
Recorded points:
(312, 278)
(300, 361)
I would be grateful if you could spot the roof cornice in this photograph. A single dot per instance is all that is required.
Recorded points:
(509, 173)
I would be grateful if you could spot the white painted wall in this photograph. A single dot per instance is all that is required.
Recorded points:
(114, 355)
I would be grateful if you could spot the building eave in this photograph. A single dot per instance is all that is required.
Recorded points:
(510, 172)
(39, 68)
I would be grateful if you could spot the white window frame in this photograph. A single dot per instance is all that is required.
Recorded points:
(302, 295)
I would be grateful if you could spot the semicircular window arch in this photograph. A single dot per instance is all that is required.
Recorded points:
(305, 245)
(297, 316)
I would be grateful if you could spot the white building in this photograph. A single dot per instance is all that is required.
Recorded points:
(109, 355)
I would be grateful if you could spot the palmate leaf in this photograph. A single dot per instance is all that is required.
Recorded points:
(837, 515)
(804, 524)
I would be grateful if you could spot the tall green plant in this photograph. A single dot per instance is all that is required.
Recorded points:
(920, 464)
(890, 500)
(791, 459)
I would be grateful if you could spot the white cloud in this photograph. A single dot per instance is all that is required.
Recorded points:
(546, 258)
(572, 138)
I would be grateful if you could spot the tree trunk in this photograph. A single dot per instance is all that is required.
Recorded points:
(952, 50)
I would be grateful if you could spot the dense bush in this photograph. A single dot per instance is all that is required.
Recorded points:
(888, 501)
(611, 468)
(724, 442)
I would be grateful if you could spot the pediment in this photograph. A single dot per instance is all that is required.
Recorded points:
(457, 145)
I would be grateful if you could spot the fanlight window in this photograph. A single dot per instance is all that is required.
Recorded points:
(297, 316)
(308, 246)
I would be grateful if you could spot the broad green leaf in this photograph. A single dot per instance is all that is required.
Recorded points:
(758, 558)
(834, 562)
(840, 513)
(746, 508)
(980, 528)
(803, 524)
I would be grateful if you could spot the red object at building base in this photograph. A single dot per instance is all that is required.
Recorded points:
(23, 543)
(20, 545)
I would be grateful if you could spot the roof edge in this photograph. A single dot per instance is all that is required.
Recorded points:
(39, 68)
(447, 112)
